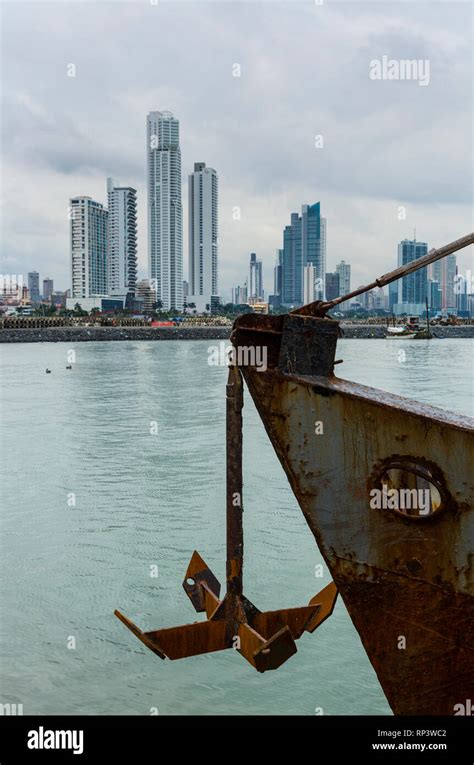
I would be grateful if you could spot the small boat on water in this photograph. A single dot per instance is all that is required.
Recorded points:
(399, 332)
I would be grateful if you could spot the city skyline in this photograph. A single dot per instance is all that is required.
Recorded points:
(377, 180)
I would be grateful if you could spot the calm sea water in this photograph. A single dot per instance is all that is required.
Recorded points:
(145, 499)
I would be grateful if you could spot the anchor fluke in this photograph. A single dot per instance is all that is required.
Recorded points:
(201, 586)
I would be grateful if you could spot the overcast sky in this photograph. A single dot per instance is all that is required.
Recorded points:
(304, 72)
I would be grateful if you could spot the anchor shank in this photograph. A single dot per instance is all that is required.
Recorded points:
(235, 535)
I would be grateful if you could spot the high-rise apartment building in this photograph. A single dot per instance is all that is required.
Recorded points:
(332, 286)
(309, 284)
(413, 288)
(33, 287)
(240, 294)
(448, 277)
(48, 289)
(165, 215)
(435, 296)
(203, 235)
(277, 273)
(444, 272)
(343, 270)
(255, 278)
(88, 241)
(121, 239)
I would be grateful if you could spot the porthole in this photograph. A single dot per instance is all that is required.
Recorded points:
(412, 488)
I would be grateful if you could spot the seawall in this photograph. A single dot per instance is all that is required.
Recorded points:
(88, 334)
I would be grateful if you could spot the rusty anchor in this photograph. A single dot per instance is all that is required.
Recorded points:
(265, 639)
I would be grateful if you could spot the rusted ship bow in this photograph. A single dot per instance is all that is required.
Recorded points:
(404, 571)
(406, 577)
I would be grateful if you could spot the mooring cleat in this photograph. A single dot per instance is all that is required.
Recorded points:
(265, 639)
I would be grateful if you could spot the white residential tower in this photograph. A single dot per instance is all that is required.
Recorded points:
(203, 236)
(165, 224)
(88, 241)
(122, 239)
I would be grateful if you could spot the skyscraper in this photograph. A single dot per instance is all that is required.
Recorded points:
(332, 286)
(435, 300)
(88, 232)
(48, 288)
(304, 243)
(462, 294)
(392, 295)
(277, 273)
(256, 280)
(203, 236)
(33, 286)
(444, 272)
(121, 239)
(292, 266)
(240, 294)
(309, 284)
(412, 289)
(314, 245)
(344, 271)
(165, 216)
(448, 276)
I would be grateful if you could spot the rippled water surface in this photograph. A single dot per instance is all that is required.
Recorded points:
(144, 499)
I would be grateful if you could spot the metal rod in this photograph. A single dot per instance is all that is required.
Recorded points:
(235, 533)
(431, 257)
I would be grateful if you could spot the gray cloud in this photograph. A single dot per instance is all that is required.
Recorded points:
(304, 72)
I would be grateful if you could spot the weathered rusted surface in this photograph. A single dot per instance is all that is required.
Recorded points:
(307, 345)
(201, 586)
(234, 499)
(266, 640)
(407, 583)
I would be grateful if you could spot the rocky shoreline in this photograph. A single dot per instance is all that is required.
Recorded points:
(88, 334)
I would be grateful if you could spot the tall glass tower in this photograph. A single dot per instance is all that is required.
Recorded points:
(165, 214)
(304, 244)
(256, 278)
(412, 289)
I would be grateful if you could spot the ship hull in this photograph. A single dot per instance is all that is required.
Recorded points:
(407, 582)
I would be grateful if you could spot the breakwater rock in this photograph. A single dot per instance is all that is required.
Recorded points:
(367, 331)
(88, 334)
